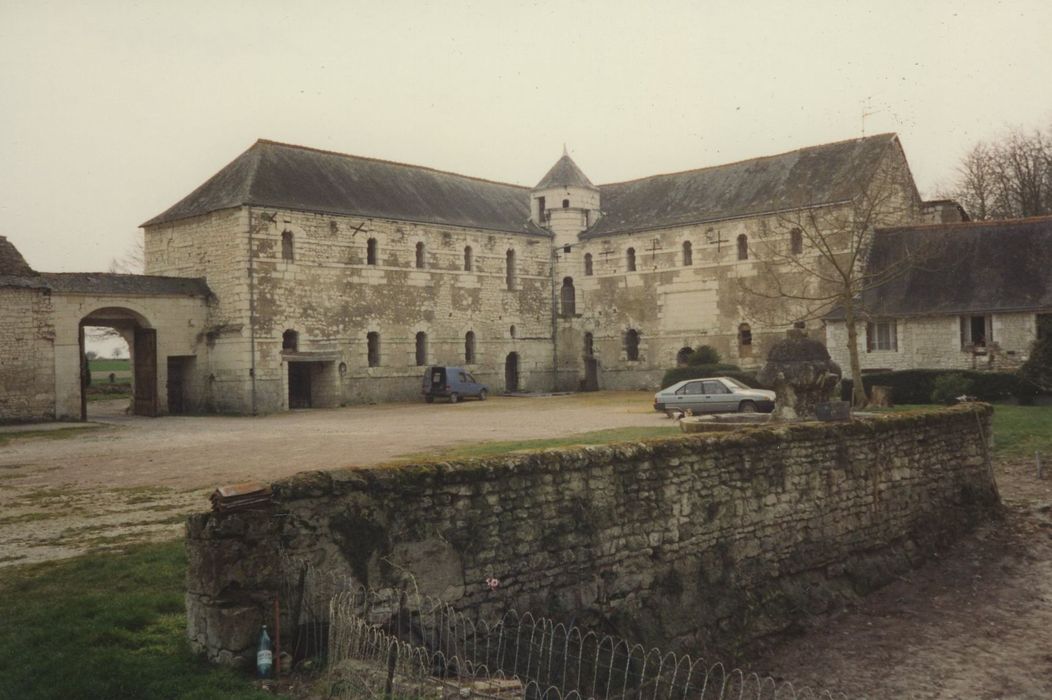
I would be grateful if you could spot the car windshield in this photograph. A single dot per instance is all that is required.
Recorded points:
(735, 383)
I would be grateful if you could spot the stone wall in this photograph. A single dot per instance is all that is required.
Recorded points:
(934, 342)
(27, 354)
(332, 297)
(684, 542)
(673, 305)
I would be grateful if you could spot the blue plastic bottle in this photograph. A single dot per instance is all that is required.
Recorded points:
(264, 656)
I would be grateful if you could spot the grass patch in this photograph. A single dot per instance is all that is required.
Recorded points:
(100, 365)
(30, 517)
(105, 626)
(93, 396)
(1019, 431)
(493, 449)
(56, 434)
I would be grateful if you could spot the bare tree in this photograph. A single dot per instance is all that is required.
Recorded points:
(1007, 179)
(813, 259)
(133, 262)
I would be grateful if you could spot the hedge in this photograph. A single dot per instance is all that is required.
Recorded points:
(913, 386)
(678, 374)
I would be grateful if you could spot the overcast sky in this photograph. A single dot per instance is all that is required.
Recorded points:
(114, 111)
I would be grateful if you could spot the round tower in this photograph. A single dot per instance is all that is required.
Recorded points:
(565, 201)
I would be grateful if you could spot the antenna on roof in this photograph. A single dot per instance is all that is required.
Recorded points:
(867, 104)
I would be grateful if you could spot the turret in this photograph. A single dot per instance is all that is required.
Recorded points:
(565, 201)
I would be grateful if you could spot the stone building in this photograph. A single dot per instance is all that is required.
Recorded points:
(43, 316)
(296, 277)
(979, 304)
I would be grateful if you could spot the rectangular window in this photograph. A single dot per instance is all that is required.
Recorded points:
(882, 335)
(976, 332)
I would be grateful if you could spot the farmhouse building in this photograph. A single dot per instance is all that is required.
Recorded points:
(979, 304)
(296, 277)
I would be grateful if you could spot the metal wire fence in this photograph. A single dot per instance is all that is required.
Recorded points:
(402, 644)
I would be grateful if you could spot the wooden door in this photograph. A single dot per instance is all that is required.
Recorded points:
(591, 374)
(175, 385)
(145, 371)
(511, 373)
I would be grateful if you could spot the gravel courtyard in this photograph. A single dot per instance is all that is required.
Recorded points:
(130, 478)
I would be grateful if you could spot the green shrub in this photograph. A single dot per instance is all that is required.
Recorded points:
(704, 355)
(1037, 370)
(673, 376)
(949, 386)
(915, 386)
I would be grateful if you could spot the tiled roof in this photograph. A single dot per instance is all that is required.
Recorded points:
(110, 283)
(279, 175)
(565, 173)
(816, 175)
(975, 267)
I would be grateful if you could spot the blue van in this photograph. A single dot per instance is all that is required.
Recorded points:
(454, 383)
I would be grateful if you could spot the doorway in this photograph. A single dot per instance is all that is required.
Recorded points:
(125, 382)
(299, 384)
(180, 370)
(511, 372)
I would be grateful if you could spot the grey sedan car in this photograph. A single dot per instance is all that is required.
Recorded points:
(714, 395)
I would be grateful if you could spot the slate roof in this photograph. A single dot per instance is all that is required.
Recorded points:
(14, 270)
(11, 261)
(565, 173)
(816, 175)
(111, 283)
(980, 267)
(294, 177)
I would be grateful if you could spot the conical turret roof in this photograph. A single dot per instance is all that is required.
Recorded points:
(565, 173)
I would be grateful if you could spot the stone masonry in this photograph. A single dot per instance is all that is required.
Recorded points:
(713, 539)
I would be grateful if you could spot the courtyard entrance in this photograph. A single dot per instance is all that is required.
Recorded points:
(141, 339)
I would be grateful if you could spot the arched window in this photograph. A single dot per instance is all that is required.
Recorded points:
(509, 271)
(469, 348)
(744, 340)
(420, 255)
(796, 241)
(569, 298)
(743, 247)
(632, 345)
(588, 264)
(469, 259)
(286, 245)
(372, 341)
(370, 252)
(511, 331)
(290, 340)
(683, 356)
(688, 254)
(566, 204)
(421, 349)
(630, 259)
(589, 345)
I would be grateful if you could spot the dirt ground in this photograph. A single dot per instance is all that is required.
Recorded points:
(975, 622)
(128, 478)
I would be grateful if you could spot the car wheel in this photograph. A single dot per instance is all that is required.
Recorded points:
(429, 399)
(482, 395)
(747, 407)
(454, 397)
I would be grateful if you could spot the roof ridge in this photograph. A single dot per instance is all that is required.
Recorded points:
(970, 224)
(749, 160)
(323, 151)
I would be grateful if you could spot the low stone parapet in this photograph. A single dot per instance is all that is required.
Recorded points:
(686, 542)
